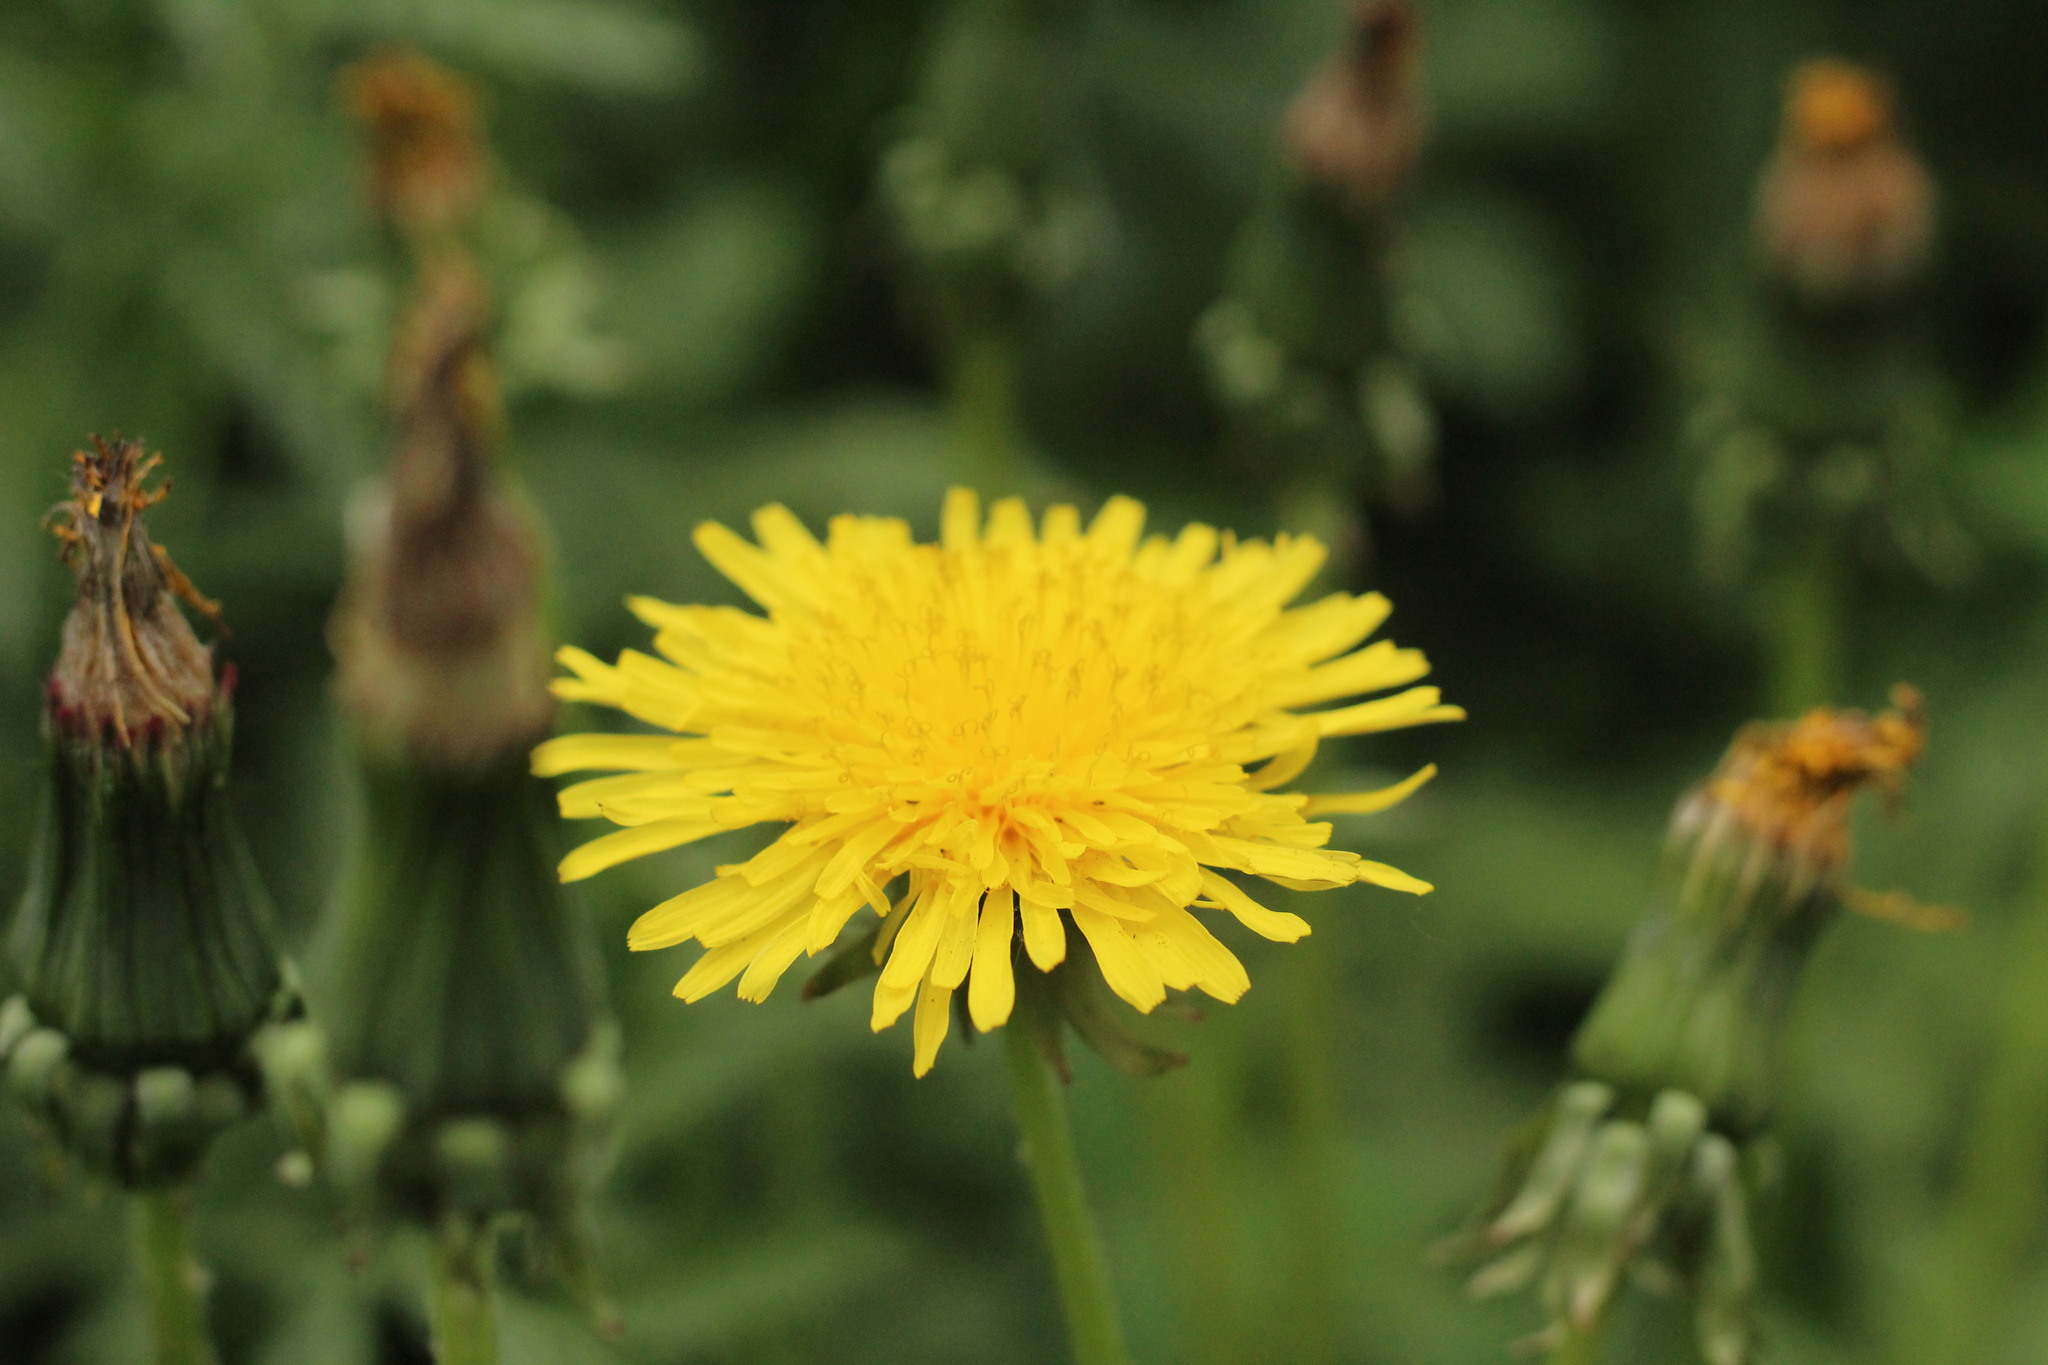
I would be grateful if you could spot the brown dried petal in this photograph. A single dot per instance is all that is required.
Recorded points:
(129, 663)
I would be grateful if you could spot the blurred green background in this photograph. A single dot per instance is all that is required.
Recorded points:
(703, 311)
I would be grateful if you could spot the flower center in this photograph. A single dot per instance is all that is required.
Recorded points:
(994, 676)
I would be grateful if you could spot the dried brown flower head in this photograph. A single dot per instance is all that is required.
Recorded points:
(461, 563)
(427, 171)
(129, 664)
(1844, 209)
(1836, 106)
(1789, 787)
(1357, 125)
(439, 633)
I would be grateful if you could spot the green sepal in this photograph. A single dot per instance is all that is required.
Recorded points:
(1037, 1012)
(1099, 1018)
(476, 1071)
(848, 962)
(454, 970)
(1074, 995)
(144, 933)
(1598, 1189)
(1699, 1000)
(145, 1128)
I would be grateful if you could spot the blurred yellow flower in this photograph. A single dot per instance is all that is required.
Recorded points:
(1032, 730)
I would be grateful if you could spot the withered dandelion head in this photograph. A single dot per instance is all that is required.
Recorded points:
(1035, 729)
(142, 944)
(438, 635)
(1844, 209)
(1357, 125)
(1836, 106)
(427, 169)
(1789, 787)
(129, 664)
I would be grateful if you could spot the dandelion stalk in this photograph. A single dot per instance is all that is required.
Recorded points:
(463, 1298)
(173, 1276)
(981, 363)
(1055, 1167)
(1802, 617)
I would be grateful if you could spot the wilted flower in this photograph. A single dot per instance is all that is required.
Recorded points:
(1844, 210)
(1637, 1167)
(440, 643)
(427, 171)
(477, 1072)
(1033, 730)
(1358, 125)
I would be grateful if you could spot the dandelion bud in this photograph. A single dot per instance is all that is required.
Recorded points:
(427, 169)
(1638, 1165)
(1357, 126)
(474, 1067)
(1844, 213)
(143, 942)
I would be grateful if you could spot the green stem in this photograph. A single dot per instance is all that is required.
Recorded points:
(464, 1308)
(2002, 1188)
(1313, 1046)
(982, 375)
(176, 1281)
(1063, 1205)
(1803, 629)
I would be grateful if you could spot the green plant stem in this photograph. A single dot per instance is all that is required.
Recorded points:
(1994, 1215)
(1077, 1259)
(1802, 610)
(176, 1281)
(463, 1311)
(982, 376)
(1314, 1317)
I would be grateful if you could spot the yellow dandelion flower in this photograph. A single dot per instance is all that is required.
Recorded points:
(1036, 731)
